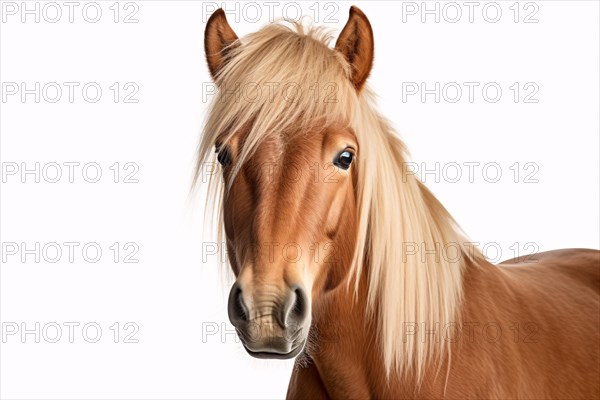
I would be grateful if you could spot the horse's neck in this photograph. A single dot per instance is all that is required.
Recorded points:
(345, 344)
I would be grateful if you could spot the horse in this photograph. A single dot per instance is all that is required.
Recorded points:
(352, 266)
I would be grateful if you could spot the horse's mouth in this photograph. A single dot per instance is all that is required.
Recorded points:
(275, 354)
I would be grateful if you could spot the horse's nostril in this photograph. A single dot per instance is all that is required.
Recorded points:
(239, 306)
(237, 309)
(296, 309)
(300, 305)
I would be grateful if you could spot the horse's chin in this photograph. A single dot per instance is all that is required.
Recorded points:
(275, 354)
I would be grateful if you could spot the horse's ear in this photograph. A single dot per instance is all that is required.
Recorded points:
(356, 44)
(218, 38)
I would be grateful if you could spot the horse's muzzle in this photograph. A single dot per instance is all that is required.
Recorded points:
(270, 325)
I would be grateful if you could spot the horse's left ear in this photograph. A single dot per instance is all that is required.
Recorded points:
(357, 45)
(218, 37)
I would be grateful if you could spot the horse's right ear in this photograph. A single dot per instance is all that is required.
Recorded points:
(218, 38)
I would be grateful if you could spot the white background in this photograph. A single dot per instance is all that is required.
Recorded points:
(175, 297)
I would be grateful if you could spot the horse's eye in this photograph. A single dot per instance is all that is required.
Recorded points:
(224, 156)
(344, 159)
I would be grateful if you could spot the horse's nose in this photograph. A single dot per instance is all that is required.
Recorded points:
(295, 308)
(237, 309)
(292, 312)
(272, 322)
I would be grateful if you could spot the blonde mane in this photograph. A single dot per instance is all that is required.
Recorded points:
(397, 214)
